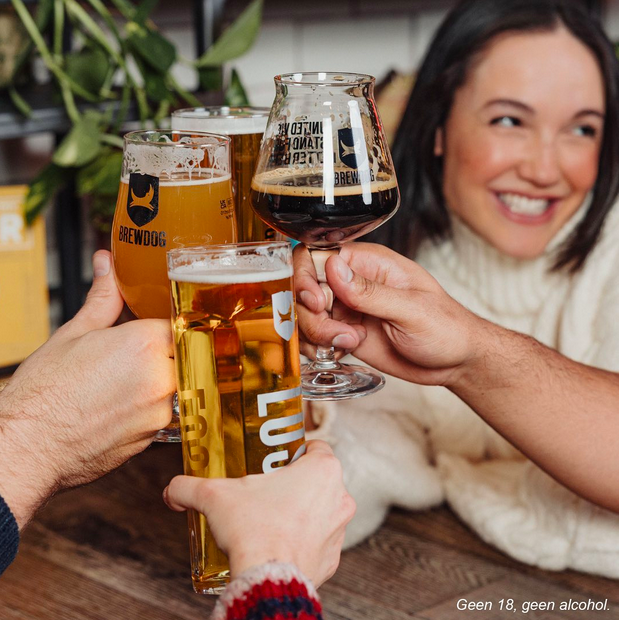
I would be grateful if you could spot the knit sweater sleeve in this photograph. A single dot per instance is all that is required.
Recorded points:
(9, 536)
(273, 591)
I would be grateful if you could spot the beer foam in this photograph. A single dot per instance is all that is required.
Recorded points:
(271, 182)
(236, 126)
(169, 159)
(203, 272)
(185, 180)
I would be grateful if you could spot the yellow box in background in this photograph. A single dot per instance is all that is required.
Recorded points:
(24, 303)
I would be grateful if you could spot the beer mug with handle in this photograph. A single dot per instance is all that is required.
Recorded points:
(325, 177)
(238, 372)
(175, 191)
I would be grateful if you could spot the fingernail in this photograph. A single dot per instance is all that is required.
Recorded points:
(165, 495)
(344, 341)
(309, 299)
(343, 270)
(100, 265)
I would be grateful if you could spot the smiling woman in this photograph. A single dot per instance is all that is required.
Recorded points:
(521, 143)
(508, 163)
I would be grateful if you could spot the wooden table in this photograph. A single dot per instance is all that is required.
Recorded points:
(114, 551)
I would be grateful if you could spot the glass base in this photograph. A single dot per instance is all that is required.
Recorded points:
(342, 382)
(172, 432)
(214, 584)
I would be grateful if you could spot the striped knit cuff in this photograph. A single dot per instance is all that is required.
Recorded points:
(9, 536)
(272, 590)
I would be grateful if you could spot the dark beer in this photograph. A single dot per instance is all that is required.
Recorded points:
(295, 205)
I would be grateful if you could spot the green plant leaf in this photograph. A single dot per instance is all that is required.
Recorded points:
(211, 78)
(19, 102)
(151, 47)
(43, 189)
(82, 144)
(144, 9)
(88, 68)
(235, 93)
(102, 175)
(236, 39)
(155, 85)
(43, 15)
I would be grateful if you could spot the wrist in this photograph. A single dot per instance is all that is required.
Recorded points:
(247, 558)
(484, 341)
(25, 480)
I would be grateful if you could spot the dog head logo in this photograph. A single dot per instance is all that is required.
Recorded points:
(143, 198)
(283, 314)
(352, 153)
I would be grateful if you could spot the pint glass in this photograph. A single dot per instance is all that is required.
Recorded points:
(238, 373)
(245, 126)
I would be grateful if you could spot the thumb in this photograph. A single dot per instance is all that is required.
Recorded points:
(104, 302)
(186, 492)
(366, 296)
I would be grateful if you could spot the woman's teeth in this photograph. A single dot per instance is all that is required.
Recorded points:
(523, 205)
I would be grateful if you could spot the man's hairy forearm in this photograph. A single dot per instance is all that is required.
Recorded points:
(561, 414)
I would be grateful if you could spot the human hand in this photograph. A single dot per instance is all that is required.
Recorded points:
(296, 514)
(390, 311)
(86, 401)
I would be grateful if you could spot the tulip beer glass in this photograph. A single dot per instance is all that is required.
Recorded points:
(238, 373)
(324, 177)
(175, 190)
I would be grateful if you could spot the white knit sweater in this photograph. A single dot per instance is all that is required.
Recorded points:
(414, 446)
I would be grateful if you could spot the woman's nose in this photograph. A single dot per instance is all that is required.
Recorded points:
(540, 165)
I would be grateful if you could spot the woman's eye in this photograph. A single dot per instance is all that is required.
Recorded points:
(587, 131)
(506, 121)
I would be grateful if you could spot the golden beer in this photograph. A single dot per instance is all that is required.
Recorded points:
(238, 372)
(198, 210)
(244, 126)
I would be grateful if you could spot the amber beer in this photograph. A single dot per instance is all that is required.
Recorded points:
(238, 372)
(245, 126)
(198, 209)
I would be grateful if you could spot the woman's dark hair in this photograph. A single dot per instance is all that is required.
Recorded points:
(466, 31)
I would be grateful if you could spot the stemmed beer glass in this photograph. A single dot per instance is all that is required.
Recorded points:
(324, 177)
(175, 191)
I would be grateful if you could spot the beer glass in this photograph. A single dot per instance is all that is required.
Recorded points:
(175, 190)
(245, 126)
(324, 177)
(238, 372)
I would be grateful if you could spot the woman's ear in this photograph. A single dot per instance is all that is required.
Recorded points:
(438, 142)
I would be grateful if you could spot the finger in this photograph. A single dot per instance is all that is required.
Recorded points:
(366, 295)
(104, 302)
(306, 285)
(186, 492)
(380, 264)
(321, 330)
(317, 446)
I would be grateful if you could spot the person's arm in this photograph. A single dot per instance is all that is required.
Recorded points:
(282, 532)
(86, 401)
(269, 590)
(9, 536)
(561, 414)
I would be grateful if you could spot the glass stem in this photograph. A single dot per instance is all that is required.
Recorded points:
(325, 356)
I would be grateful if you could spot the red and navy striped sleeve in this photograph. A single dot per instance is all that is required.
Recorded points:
(273, 591)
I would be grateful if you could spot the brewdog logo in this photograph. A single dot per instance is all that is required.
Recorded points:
(143, 198)
(352, 154)
(283, 314)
